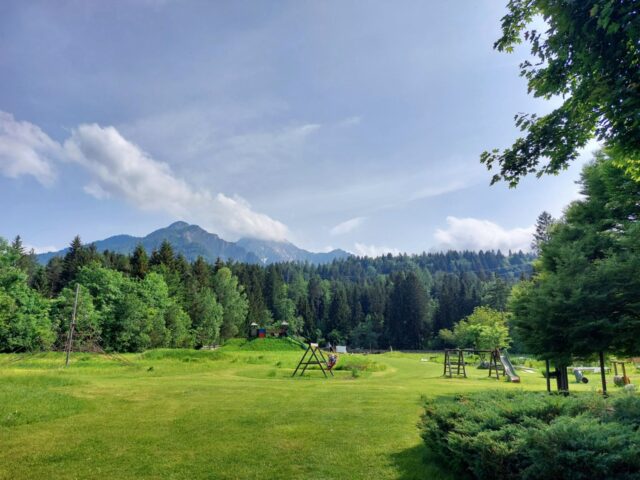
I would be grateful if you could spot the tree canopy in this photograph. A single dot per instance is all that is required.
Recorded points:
(484, 329)
(585, 294)
(589, 57)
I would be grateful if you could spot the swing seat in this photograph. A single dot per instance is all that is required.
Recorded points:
(331, 362)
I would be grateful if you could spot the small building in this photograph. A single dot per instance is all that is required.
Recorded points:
(253, 330)
(284, 329)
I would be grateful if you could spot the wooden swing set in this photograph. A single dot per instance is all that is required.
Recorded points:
(314, 356)
(454, 363)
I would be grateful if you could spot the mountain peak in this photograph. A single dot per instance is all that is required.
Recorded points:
(178, 225)
(193, 241)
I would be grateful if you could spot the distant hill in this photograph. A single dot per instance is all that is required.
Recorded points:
(193, 241)
(269, 251)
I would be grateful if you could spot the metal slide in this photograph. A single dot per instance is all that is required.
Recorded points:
(509, 371)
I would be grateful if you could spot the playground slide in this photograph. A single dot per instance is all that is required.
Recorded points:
(509, 371)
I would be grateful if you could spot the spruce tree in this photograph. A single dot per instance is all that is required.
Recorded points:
(139, 262)
(542, 233)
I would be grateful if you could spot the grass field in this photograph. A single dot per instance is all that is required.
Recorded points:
(229, 413)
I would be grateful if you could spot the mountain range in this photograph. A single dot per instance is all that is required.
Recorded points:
(193, 241)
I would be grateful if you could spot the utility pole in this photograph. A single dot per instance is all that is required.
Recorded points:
(72, 326)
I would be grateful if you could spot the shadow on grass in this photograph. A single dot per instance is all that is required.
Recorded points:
(413, 464)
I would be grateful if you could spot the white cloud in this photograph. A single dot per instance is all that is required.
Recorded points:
(38, 250)
(26, 150)
(347, 226)
(120, 169)
(476, 234)
(363, 250)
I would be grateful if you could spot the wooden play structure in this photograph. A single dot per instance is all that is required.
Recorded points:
(623, 379)
(560, 374)
(454, 363)
(458, 362)
(314, 356)
(278, 330)
(620, 377)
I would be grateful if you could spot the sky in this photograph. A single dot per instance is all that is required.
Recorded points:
(333, 124)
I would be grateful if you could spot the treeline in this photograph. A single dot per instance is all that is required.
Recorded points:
(138, 301)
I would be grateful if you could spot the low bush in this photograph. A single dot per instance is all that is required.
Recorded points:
(529, 435)
(263, 344)
(182, 355)
(358, 362)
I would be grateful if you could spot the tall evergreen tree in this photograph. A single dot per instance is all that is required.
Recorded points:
(139, 262)
(75, 258)
(339, 317)
(543, 231)
(164, 255)
(409, 316)
(585, 297)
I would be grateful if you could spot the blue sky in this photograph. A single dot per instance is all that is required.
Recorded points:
(330, 123)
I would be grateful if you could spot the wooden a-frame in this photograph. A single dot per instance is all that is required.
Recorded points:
(313, 350)
(458, 362)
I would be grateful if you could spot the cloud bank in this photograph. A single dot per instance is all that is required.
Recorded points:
(119, 169)
(363, 250)
(476, 234)
(26, 150)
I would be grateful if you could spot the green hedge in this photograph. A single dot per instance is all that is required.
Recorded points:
(263, 344)
(518, 435)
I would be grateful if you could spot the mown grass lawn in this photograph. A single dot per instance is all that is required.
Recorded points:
(220, 414)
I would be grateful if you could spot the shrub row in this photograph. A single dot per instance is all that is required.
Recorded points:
(518, 435)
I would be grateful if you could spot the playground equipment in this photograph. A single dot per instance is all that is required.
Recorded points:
(561, 376)
(579, 374)
(498, 361)
(278, 330)
(458, 362)
(509, 370)
(314, 356)
(620, 380)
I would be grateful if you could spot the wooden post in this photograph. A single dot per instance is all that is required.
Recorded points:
(464, 367)
(72, 326)
(446, 361)
(548, 376)
(603, 377)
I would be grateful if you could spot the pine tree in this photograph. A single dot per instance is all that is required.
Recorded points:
(17, 246)
(163, 256)
(75, 259)
(542, 233)
(139, 262)
(201, 273)
(339, 311)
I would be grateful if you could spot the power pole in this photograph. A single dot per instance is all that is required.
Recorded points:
(72, 326)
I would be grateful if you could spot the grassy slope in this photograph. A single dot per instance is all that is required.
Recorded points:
(222, 414)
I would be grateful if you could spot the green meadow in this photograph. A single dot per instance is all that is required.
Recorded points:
(230, 413)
